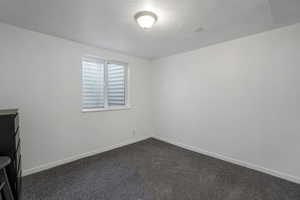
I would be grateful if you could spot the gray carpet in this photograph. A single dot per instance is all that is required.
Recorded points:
(154, 170)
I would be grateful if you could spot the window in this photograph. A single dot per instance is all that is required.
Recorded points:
(104, 84)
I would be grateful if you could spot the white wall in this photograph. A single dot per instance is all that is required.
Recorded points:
(240, 99)
(40, 75)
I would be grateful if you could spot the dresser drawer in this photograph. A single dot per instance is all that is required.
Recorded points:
(19, 167)
(16, 122)
(18, 186)
(16, 159)
(20, 179)
(17, 139)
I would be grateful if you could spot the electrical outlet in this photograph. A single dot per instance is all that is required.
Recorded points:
(133, 132)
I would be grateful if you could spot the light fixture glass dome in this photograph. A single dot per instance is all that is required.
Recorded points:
(145, 19)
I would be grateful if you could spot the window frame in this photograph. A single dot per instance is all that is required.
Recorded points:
(126, 82)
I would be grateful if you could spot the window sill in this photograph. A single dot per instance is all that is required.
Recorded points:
(106, 109)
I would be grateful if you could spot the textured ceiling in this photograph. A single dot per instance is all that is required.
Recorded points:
(109, 23)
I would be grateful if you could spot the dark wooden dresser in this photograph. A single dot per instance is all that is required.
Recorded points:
(10, 145)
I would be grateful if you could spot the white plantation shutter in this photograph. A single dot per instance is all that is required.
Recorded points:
(116, 80)
(93, 83)
(104, 84)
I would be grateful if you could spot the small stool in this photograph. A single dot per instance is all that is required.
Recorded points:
(5, 191)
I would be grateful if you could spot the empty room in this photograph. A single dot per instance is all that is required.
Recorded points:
(149, 100)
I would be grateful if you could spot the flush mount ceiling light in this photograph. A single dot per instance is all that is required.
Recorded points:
(145, 19)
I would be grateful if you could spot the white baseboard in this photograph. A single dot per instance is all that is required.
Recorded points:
(79, 156)
(231, 160)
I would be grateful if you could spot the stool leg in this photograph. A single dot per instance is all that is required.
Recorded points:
(6, 189)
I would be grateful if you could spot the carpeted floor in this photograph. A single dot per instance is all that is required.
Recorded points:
(154, 170)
